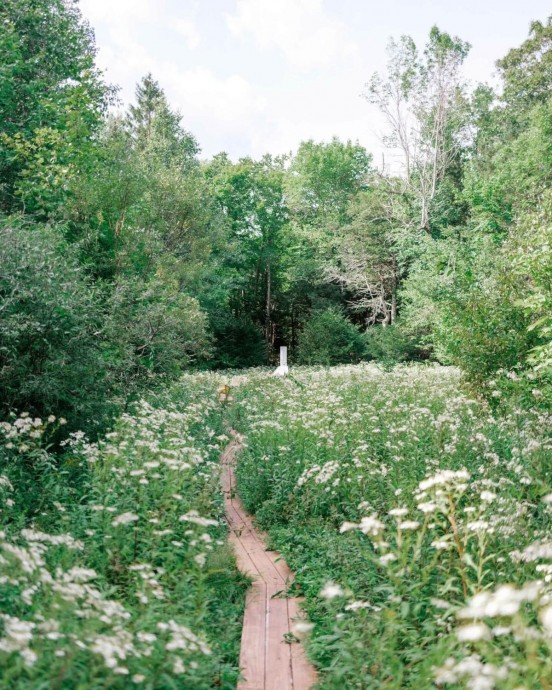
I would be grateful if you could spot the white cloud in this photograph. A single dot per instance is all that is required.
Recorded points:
(188, 29)
(301, 29)
(229, 102)
(119, 11)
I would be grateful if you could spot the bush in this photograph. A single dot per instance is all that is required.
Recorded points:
(330, 338)
(239, 343)
(392, 345)
(50, 356)
(152, 333)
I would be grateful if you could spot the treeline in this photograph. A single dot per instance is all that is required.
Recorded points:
(125, 258)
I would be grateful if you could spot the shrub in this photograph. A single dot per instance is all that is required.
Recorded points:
(330, 338)
(50, 356)
(151, 334)
(392, 345)
(238, 343)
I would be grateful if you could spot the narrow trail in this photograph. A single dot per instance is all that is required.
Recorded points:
(267, 660)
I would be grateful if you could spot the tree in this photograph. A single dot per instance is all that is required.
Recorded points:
(481, 287)
(149, 96)
(250, 194)
(156, 128)
(422, 100)
(52, 100)
(152, 332)
(319, 185)
(329, 338)
(50, 329)
(527, 71)
(323, 178)
(367, 257)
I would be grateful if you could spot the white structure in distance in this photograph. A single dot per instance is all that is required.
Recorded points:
(283, 369)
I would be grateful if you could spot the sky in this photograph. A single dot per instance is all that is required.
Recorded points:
(259, 76)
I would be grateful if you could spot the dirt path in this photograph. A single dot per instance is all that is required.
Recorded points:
(267, 660)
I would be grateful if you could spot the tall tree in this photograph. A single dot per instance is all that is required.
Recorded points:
(251, 196)
(157, 129)
(323, 178)
(149, 96)
(367, 260)
(422, 99)
(52, 100)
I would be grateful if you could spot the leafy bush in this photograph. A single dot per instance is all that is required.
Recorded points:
(152, 333)
(50, 354)
(329, 338)
(392, 345)
(238, 343)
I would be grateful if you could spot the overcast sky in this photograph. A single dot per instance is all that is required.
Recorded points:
(256, 76)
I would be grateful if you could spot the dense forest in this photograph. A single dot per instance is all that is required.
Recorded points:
(126, 258)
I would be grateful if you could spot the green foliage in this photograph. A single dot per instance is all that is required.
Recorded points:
(250, 194)
(130, 261)
(532, 264)
(50, 325)
(391, 345)
(527, 70)
(329, 338)
(469, 284)
(52, 101)
(323, 178)
(152, 332)
(239, 343)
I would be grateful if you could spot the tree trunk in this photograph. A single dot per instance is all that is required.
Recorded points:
(268, 330)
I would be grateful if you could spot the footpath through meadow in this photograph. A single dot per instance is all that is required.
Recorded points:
(271, 657)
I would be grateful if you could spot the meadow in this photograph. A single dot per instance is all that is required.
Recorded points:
(416, 516)
(403, 470)
(417, 519)
(114, 568)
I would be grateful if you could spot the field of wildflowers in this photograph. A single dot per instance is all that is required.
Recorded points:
(418, 520)
(114, 568)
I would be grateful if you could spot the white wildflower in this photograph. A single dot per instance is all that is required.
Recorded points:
(398, 512)
(546, 619)
(473, 633)
(348, 526)
(427, 507)
(371, 525)
(124, 519)
(331, 590)
(195, 517)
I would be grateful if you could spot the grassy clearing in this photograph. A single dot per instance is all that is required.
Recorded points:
(418, 521)
(114, 568)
